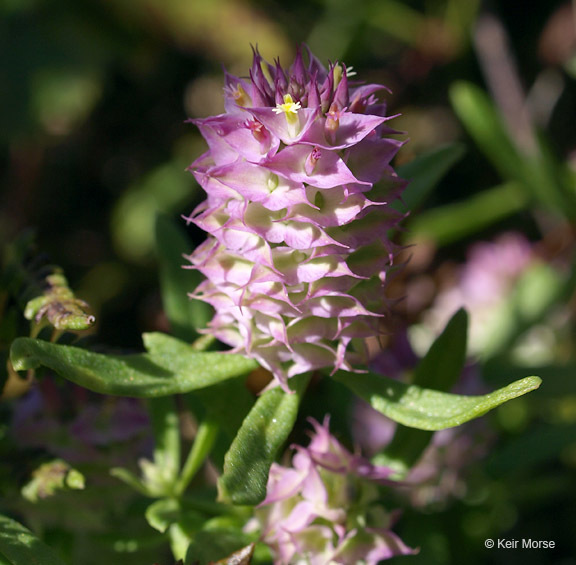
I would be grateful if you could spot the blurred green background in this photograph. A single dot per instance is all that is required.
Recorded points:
(93, 145)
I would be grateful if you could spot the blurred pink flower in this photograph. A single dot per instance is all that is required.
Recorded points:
(82, 427)
(484, 283)
(441, 473)
(299, 185)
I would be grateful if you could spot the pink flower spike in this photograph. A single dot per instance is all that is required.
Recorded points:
(322, 510)
(299, 192)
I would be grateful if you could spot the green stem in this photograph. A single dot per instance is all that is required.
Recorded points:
(203, 443)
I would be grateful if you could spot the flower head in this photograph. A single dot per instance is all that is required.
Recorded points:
(323, 508)
(299, 185)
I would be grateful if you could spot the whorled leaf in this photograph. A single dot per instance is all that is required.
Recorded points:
(170, 367)
(427, 409)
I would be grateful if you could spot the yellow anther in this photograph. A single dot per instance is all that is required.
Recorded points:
(290, 108)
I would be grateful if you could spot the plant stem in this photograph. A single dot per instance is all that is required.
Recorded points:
(203, 443)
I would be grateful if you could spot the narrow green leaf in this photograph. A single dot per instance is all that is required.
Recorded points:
(427, 409)
(208, 548)
(131, 480)
(171, 367)
(207, 368)
(442, 365)
(214, 403)
(184, 314)
(19, 546)
(166, 428)
(482, 120)
(165, 512)
(440, 369)
(261, 435)
(162, 513)
(449, 223)
(426, 171)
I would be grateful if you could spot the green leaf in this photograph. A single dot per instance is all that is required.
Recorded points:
(166, 428)
(19, 546)
(132, 480)
(170, 367)
(162, 513)
(440, 369)
(427, 409)
(483, 122)
(452, 222)
(211, 545)
(531, 168)
(426, 171)
(261, 435)
(165, 189)
(443, 363)
(184, 314)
